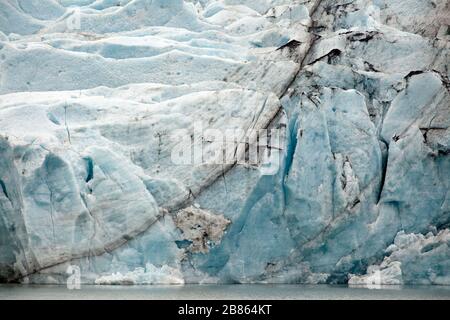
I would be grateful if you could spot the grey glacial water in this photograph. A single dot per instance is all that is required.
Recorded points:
(217, 141)
(234, 292)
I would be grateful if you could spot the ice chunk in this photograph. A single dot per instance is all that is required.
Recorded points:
(149, 275)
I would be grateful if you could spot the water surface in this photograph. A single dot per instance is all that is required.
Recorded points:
(210, 292)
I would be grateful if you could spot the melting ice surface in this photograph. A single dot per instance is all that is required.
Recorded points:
(91, 93)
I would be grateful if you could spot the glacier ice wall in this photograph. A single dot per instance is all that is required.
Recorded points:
(91, 92)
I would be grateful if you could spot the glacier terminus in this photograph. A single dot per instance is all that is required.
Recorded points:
(337, 171)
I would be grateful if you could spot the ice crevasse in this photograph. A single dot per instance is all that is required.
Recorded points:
(92, 91)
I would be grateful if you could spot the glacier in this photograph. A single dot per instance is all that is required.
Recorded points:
(354, 96)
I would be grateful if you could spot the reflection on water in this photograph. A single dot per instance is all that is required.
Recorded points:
(209, 292)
